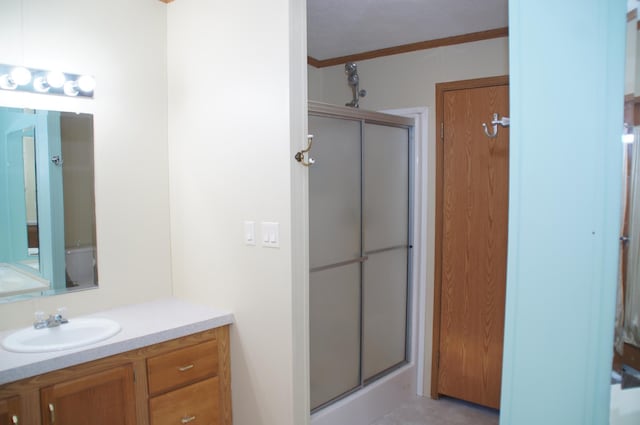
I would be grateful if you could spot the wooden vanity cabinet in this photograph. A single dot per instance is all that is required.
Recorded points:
(183, 386)
(196, 403)
(182, 381)
(10, 413)
(94, 399)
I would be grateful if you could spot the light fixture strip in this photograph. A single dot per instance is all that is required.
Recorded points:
(20, 78)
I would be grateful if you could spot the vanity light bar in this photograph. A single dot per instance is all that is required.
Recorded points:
(19, 78)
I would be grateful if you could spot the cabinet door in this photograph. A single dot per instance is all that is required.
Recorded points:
(104, 398)
(10, 411)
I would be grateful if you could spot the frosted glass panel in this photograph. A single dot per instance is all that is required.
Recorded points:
(385, 311)
(358, 205)
(334, 191)
(386, 186)
(334, 318)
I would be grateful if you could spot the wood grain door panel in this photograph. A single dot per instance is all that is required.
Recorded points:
(474, 213)
(10, 411)
(103, 398)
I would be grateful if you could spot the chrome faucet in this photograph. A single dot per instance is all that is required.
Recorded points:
(52, 321)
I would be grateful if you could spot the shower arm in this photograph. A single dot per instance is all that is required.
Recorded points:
(351, 69)
(357, 94)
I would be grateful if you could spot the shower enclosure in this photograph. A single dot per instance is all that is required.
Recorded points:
(360, 241)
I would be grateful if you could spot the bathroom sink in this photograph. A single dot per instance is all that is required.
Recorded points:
(77, 333)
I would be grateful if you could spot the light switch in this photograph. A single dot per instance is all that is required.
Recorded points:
(270, 234)
(250, 232)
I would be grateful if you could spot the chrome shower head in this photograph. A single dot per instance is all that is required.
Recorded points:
(350, 68)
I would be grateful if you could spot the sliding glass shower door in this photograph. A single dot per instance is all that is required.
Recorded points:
(334, 257)
(385, 240)
(359, 209)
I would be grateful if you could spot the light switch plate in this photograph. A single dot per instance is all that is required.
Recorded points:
(250, 232)
(270, 234)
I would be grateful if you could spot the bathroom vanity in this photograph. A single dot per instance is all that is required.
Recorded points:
(175, 372)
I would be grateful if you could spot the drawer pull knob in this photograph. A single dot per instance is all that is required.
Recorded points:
(188, 419)
(52, 413)
(184, 369)
(14, 419)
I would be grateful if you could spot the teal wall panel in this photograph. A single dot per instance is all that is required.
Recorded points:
(13, 233)
(15, 198)
(50, 199)
(4, 205)
(567, 78)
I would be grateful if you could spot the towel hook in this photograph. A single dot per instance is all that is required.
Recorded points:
(57, 160)
(504, 121)
(300, 155)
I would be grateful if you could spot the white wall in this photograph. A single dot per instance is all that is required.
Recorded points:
(123, 44)
(315, 78)
(236, 103)
(408, 80)
(230, 132)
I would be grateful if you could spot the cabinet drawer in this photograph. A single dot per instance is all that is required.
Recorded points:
(195, 404)
(179, 367)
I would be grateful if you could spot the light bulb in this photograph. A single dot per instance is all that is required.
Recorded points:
(7, 83)
(21, 75)
(86, 83)
(55, 79)
(40, 85)
(71, 88)
(628, 138)
(52, 79)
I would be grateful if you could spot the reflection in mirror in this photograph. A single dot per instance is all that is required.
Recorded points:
(625, 399)
(625, 391)
(30, 190)
(47, 213)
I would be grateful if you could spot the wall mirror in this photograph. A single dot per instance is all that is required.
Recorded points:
(626, 362)
(47, 207)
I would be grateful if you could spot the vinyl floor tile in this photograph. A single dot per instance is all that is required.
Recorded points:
(445, 411)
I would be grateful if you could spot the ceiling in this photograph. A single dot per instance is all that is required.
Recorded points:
(345, 27)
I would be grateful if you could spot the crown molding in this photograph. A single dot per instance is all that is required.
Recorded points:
(412, 47)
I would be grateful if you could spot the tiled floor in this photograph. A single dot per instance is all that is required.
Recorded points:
(425, 411)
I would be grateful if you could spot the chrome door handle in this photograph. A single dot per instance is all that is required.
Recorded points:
(341, 263)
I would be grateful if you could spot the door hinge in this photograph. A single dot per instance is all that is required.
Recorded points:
(442, 130)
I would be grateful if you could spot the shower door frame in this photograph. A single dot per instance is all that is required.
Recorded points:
(370, 117)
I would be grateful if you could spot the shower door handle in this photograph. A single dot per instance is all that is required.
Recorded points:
(340, 264)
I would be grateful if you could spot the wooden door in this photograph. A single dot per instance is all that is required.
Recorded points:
(10, 411)
(103, 398)
(472, 216)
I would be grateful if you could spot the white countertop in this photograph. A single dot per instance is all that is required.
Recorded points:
(142, 325)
